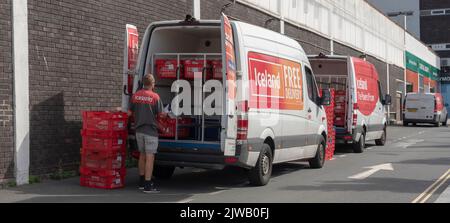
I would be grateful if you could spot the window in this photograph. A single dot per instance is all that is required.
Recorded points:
(312, 86)
(438, 12)
(380, 91)
(409, 88)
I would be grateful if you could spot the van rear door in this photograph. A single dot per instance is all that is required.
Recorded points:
(229, 120)
(419, 107)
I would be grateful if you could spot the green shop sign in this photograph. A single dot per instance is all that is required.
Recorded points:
(417, 65)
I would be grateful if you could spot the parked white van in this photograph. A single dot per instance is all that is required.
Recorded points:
(360, 113)
(425, 108)
(270, 108)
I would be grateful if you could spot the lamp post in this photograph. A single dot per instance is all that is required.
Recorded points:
(405, 15)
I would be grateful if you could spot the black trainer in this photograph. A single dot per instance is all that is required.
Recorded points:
(141, 183)
(150, 188)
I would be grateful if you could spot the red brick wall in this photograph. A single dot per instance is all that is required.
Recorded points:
(6, 92)
(76, 61)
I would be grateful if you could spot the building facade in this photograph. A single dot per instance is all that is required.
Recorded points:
(435, 28)
(62, 57)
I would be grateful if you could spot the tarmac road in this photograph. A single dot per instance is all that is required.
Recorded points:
(414, 166)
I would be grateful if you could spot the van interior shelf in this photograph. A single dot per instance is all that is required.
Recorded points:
(198, 128)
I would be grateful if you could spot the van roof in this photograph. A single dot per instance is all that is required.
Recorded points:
(247, 30)
(260, 32)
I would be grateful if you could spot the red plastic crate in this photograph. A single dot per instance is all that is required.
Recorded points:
(104, 140)
(113, 179)
(103, 160)
(105, 121)
(216, 69)
(193, 66)
(167, 68)
(167, 126)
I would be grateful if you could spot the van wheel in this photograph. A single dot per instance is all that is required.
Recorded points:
(319, 160)
(260, 174)
(359, 146)
(382, 140)
(163, 172)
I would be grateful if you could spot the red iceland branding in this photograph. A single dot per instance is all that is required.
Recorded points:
(366, 86)
(275, 83)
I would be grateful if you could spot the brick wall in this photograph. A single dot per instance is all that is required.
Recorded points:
(6, 92)
(76, 50)
(396, 72)
(312, 43)
(382, 72)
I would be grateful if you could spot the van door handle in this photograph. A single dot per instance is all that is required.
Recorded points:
(231, 116)
(309, 110)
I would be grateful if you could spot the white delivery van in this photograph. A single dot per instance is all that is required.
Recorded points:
(359, 104)
(266, 101)
(424, 108)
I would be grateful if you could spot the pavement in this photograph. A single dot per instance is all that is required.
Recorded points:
(414, 166)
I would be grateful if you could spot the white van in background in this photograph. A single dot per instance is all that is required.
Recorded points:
(425, 108)
(271, 111)
(360, 113)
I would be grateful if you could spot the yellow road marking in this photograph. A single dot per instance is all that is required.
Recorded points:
(422, 198)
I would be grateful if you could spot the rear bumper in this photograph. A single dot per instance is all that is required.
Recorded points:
(344, 137)
(208, 157)
(428, 121)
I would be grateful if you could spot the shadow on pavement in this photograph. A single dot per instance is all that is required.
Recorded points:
(184, 184)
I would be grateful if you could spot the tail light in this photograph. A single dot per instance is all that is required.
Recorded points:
(242, 129)
(435, 107)
(355, 119)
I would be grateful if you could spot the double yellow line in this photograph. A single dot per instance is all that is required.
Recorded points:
(423, 197)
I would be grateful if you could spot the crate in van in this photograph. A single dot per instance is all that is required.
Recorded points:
(191, 67)
(216, 69)
(167, 68)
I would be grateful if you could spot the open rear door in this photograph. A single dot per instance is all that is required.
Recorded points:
(229, 74)
(129, 66)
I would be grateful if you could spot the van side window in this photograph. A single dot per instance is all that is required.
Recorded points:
(380, 91)
(312, 86)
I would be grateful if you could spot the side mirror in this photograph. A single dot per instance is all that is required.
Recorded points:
(387, 100)
(325, 100)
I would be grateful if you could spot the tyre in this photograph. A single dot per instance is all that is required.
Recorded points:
(437, 124)
(405, 123)
(445, 123)
(261, 173)
(382, 141)
(358, 147)
(163, 172)
(319, 160)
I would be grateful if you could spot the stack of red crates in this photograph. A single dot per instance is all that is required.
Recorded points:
(340, 108)
(331, 141)
(103, 153)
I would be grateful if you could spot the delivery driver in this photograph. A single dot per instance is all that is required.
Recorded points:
(146, 106)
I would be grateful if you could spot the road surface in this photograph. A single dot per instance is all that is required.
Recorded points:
(414, 166)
